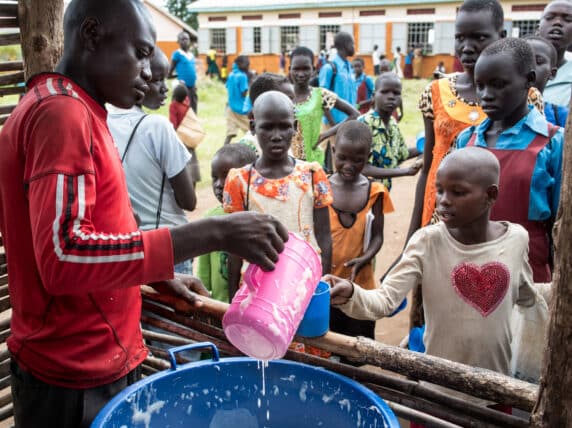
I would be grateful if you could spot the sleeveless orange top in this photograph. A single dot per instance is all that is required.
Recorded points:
(451, 115)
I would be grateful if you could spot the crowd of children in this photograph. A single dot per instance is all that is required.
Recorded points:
(487, 210)
(485, 202)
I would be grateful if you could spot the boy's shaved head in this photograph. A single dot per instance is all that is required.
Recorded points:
(520, 51)
(387, 75)
(264, 83)
(492, 6)
(356, 133)
(479, 165)
(270, 100)
(106, 11)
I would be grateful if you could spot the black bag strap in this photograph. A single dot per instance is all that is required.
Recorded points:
(555, 111)
(131, 137)
(158, 218)
(334, 73)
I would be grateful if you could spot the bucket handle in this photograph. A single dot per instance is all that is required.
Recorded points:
(177, 349)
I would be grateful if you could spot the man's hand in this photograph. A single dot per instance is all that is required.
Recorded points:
(258, 238)
(341, 289)
(185, 287)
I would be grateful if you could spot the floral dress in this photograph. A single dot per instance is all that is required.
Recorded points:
(291, 199)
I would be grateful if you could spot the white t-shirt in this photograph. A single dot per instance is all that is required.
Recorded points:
(155, 150)
(468, 293)
(375, 57)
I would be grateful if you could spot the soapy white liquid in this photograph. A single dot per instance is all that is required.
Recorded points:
(144, 417)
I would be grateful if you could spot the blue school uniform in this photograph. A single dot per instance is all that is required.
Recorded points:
(344, 86)
(530, 154)
(556, 114)
(236, 85)
(185, 67)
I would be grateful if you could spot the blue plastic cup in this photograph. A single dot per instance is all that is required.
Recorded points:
(316, 321)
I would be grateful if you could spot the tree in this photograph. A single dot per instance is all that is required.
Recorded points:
(41, 24)
(180, 8)
(554, 406)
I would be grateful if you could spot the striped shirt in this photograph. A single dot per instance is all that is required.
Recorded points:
(75, 254)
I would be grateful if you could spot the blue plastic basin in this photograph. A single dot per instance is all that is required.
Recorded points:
(229, 393)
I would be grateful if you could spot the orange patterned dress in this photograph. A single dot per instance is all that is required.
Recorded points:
(450, 114)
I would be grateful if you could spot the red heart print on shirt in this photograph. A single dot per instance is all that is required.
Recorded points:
(482, 287)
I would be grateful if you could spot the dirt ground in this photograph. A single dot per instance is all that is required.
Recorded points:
(389, 330)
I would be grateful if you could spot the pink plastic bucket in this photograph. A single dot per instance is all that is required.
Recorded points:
(264, 315)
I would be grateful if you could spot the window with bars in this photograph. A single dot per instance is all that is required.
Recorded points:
(218, 39)
(524, 28)
(327, 33)
(256, 40)
(289, 38)
(418, 34)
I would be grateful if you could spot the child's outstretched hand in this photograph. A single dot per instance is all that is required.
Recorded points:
(185, 287)
(356, 264)
(340, 289)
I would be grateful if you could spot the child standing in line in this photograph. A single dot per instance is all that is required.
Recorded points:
(528, 148)
(546, 59)
(297, 193)
(212, 268)
(312, 103)
(264, 83)
(472, 270)
(364, 86)
(450, 105)
(389, 148)
(177, 109)
(238, 105)
(355, 239)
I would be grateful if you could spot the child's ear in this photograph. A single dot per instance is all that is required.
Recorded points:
(252, 126)
(492, 194)
(502, 34)
(89, 33)
(553, 72)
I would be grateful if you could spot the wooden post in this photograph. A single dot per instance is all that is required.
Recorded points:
(554, 405)
(41, 34)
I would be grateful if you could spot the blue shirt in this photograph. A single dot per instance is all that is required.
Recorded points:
(236, 86)
(185, 67)
(547, 174)
(553, 110)
(344, 86)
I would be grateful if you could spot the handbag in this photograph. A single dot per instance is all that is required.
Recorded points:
(190, 130)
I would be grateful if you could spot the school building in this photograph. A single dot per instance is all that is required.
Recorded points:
(262, 29)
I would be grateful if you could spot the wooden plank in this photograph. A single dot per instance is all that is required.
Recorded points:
(6, 412)
(11, 90)
(9, 22)
(5, 368)
(12, 78)
(9, 9)
(9, 39)
(5, 303)
(11, 66)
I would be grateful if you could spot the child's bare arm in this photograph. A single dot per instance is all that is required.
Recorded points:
(183, 188)
(234, 267)
(346, 108)
(323, 237)
(381, 173)
(374, 244)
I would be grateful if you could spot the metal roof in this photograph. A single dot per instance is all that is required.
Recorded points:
(222, 6)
